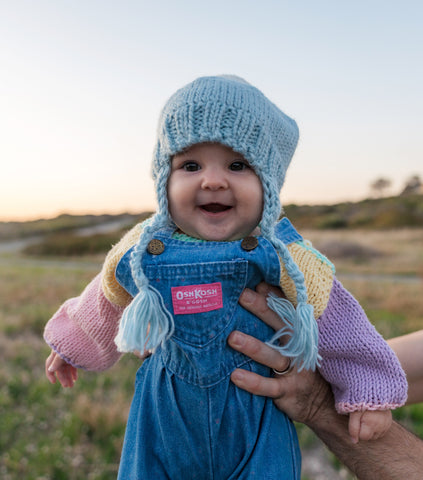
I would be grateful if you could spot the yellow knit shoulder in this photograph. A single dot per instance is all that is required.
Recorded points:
(113, 291)
(318, 273)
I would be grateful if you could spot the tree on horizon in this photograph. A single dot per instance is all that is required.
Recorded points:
(380, 185)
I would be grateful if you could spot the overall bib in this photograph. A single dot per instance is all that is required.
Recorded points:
(187, 419)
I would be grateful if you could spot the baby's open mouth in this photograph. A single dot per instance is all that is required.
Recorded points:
(215, 207)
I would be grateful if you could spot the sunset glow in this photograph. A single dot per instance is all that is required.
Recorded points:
(83, 84)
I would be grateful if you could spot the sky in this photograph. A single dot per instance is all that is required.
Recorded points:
(82, 83)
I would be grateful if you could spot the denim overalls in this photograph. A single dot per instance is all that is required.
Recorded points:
(187, 419)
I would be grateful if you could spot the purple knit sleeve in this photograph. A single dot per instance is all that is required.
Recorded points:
(82, 331)
(364, 372)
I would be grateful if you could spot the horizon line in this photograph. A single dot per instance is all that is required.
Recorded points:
(95, 213)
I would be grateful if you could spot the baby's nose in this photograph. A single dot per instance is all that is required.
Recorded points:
(214, 180)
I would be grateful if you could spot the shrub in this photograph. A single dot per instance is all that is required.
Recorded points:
(68, 245)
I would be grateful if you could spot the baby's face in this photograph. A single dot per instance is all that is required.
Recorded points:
(214, 194)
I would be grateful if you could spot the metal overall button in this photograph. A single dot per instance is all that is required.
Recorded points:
(155, 247)
(249, 243)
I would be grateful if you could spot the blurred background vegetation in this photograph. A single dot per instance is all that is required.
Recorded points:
(47, 432)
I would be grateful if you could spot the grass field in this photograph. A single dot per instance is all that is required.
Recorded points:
(47, 432)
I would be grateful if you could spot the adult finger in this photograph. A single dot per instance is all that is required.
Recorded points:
(256, 384)
(265, 288)
(256, 303)
(258, 351)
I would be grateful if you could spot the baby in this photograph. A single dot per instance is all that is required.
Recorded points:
(171, 287)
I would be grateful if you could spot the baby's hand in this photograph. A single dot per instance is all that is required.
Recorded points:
(369, 425)
(56, 366)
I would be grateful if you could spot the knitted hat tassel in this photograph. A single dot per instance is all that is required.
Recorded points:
(145, 322)
(301, 329)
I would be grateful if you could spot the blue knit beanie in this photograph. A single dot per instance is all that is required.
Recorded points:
(230, 111)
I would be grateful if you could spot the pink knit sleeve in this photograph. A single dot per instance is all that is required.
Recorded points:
(82, 331)
(364, 372)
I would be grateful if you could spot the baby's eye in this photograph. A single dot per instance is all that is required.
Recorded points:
(238, 166)
(191, 166)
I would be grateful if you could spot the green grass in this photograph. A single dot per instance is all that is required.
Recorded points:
(46, 431)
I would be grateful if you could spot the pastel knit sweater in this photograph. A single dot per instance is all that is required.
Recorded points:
(363, 371)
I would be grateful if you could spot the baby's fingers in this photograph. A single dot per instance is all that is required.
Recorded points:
(56, 363)
(375, 424)
(354, 426)
(67, 375)
(50, 367)
(57, 368)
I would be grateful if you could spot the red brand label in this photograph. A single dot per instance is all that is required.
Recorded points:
(197, 298)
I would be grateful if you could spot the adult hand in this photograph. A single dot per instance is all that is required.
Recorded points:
(302, 395)
(307, 398)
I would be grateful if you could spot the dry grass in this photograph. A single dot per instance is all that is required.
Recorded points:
(398, 252)
(383, 270)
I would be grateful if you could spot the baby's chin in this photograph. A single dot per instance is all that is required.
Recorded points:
(216, 237)
(256, 232)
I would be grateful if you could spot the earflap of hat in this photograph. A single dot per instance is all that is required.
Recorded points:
(161, 172)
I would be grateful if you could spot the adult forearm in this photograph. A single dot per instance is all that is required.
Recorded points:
(409, 351)
(398, 455)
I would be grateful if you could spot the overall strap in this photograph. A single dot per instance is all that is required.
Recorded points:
(286, 232)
